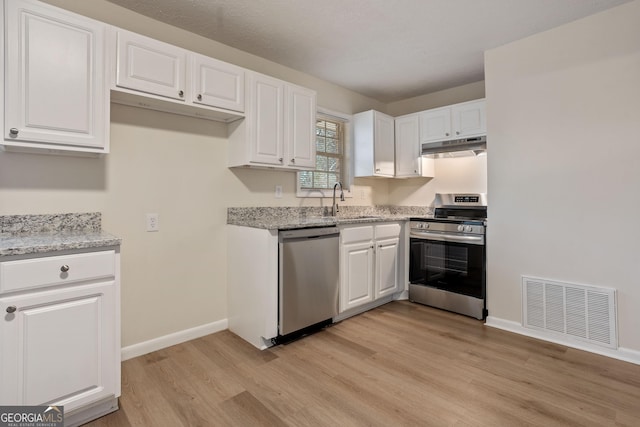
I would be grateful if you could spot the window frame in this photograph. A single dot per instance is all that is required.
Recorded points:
(347, 157)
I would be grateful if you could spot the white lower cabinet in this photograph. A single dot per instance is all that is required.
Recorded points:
(369, 263)
(61, 343)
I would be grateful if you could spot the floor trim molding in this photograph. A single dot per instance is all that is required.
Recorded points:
(159, 343)
(620, 353)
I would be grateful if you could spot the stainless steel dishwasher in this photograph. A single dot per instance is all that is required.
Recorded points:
(308, 280)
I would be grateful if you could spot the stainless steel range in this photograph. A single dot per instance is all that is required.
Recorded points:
(447, 267)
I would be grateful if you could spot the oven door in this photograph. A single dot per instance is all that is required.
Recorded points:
(454, 263)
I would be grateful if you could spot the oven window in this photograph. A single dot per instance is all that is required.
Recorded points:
(455, 267)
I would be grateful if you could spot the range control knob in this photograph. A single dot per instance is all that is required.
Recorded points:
(467, 228)
(461, 228)
(420, 225)
(426, 225)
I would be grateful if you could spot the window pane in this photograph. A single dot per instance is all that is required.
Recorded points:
(306, 179)
(321, 163)
(329, 157)
(332, 146)
(320, 180)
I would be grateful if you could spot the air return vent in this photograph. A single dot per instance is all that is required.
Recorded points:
(586, 313)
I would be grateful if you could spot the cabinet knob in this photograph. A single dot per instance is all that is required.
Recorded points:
(372, 247)
(13, 132)
(377, 170)
(293, 160)
(199, 97)
(280, 159)
(181, 94)
(11, 309)
(446, 134)
(457, 132)
(64, 268)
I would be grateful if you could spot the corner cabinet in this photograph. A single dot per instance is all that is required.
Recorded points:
(374, 144)
(462, 120)
(409, 161)
(369, 264)
(279, 128)
(60, 332)
(56, 96)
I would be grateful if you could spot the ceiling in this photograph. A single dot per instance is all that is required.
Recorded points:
(388, 50)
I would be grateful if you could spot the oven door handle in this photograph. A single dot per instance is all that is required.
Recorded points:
(472, 240)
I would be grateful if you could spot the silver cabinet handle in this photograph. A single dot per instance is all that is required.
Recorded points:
(199, 97)
(13, 132)
(181, 94)
(11, 309)
(64, 268)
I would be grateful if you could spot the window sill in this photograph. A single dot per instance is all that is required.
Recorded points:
(327, 194)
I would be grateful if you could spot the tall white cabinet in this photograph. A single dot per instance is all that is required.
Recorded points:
(56, 93)
(279, 128)
(60, 332)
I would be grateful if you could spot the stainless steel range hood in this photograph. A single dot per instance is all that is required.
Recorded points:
(472, 146)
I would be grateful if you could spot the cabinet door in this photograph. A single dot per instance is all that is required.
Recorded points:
(266, 116)
(435, 125)
(407, 138)
(386, 267)
(59, 346)
(55, 88)
(469, 119)
(300, 125)
(217, 84)
(151, 66)
(356, 284)
(384, 145)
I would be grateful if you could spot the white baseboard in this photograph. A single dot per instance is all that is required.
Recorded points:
(165, 341)
(620, 353)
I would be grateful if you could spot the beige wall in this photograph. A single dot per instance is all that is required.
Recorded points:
(176, 166)
(467, 92)
(563, 125)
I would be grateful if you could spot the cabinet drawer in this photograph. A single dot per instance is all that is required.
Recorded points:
(385, 231)
(55, 270)
(357, 234)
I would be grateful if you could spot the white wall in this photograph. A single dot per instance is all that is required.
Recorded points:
(563, 131)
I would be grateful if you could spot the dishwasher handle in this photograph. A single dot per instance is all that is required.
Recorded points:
(308, 233)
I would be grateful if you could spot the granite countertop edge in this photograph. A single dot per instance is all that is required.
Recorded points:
(36, 243)
(289, 224)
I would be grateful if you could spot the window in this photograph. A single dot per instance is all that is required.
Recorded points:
(331, 161)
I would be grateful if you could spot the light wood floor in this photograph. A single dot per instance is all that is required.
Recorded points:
(402, 364)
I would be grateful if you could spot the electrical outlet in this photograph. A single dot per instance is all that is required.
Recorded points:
(278, 191)
(153, 222)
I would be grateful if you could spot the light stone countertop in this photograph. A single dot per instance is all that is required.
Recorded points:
(286, 218)
(32, 234)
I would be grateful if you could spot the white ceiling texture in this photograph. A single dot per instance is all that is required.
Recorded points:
(385, 49)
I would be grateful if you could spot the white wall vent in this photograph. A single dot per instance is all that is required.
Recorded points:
(586, 313)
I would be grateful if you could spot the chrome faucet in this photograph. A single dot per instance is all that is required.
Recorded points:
(334, 206)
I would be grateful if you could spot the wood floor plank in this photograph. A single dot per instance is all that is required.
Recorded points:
(401, 364)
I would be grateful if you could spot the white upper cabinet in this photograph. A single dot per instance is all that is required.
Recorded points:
(217, 83)
(462, 120)
(435, 125)
(469, 119)
(374, 145)
(159, 76)
(279, 128)
(409, 163)
(56, 93)
(300, 135)
(266, 112)
(150, 66)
